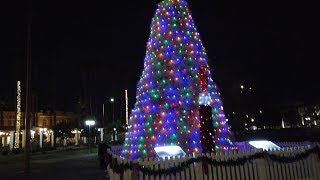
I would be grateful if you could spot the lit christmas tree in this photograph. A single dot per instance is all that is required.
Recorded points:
(170, 92)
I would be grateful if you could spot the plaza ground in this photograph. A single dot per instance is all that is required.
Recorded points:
(67, 164)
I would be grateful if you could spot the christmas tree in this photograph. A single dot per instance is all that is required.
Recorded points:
(174, 85)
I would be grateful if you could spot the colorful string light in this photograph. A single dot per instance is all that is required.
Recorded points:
(166, 111)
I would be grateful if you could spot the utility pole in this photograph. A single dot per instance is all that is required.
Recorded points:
(112, 101)
(28, 92)
(102, 123)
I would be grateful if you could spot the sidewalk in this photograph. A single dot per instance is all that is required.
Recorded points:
(72, 164)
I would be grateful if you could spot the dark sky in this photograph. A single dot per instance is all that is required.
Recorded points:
(272, 45)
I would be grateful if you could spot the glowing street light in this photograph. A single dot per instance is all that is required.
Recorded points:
(90, 123)
(112, 101)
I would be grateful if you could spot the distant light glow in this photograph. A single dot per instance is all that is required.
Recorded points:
(43, 129)
(204, 98)
(264, 144)
(168, 151)
(90, 122)
(75, 131)
(32, 133)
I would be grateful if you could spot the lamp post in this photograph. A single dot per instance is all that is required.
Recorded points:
(103, 120)
(112, 101)
(103, 113)
(90, 123)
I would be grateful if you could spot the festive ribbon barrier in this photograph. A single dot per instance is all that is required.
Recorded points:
(135, 167)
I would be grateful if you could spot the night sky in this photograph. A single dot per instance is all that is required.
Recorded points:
(98, 48)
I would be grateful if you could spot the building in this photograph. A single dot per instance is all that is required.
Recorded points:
(41, 123)
(301, 115)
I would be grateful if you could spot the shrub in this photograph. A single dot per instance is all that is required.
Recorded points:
(17, 151)
(5, 150)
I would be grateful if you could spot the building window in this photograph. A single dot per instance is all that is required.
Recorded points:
(44, 123)
(11, 120)
(8, 140)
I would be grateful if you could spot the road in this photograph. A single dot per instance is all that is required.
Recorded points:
(60, 165)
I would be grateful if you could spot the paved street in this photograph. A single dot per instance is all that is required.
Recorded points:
(74, 164)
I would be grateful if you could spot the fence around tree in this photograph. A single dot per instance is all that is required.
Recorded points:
(289, 163)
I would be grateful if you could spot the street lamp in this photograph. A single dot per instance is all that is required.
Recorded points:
(90, 123)
(242, 87)
(112, 101)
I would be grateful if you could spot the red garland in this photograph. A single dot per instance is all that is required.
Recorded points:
(205, 112)
(203, 78)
